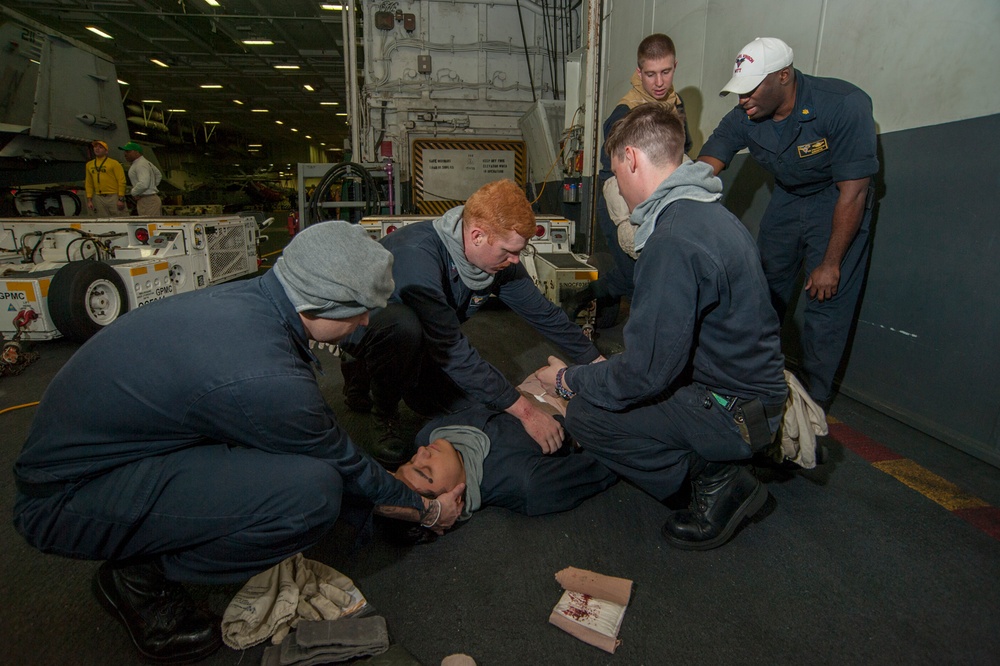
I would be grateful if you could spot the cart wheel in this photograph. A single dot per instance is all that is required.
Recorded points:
(84, 297)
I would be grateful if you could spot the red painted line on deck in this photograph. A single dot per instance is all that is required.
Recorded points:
(864, 446)
(985, 518)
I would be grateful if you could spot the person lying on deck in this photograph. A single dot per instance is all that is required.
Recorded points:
(501, 465)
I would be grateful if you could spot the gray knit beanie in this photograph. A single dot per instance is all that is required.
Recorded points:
(334, 270)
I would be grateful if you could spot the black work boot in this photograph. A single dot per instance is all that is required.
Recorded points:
(356, 383)
(722, 496)
(578, 302)
(388, 448)
(164, 623)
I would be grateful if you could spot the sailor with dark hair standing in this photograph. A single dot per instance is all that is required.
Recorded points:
(816, 136)
(145, 179)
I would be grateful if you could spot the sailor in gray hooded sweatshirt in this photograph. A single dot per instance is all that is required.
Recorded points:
(414, 349)
(699, 387)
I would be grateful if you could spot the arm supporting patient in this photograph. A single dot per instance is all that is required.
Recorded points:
(438, 514)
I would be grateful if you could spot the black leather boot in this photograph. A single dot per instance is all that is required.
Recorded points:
(357, 383)
(165, 624)
(578, 302)
(389, 447)
(722, 496)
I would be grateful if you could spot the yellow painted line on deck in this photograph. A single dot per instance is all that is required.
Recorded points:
(930, 485)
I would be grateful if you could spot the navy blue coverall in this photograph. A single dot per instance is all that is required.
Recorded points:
(617, 280)
(193, 430)
(829, 137)
(701, 323)
(517, 475)
(415, 348)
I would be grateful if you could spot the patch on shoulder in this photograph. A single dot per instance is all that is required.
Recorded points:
(814, 148)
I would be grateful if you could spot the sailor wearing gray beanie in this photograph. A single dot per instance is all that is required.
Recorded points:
(334, 270)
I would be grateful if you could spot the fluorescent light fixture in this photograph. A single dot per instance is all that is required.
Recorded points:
(294, 130)
(341, 114)
(210, 86)
(152, 101)
(258, 42)
(177, 110)
(329, 103)
(124, 83)
(322, 143)
(236, 101)
(308, 137)
(34, 61)
(254, 145)
(332, 8)
(211, 122)
(212, 3)
(138, 132)
(286, 66)
(278, 122)
(260, 110)
(99, 32)
(158, 62)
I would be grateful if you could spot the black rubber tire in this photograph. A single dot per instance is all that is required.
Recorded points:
(78, 289)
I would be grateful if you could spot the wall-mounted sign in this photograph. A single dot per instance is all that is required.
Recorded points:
(447, 171)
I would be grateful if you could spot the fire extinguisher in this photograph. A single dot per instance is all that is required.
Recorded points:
(293, 223)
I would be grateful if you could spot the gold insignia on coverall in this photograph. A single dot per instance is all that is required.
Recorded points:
(814, 148)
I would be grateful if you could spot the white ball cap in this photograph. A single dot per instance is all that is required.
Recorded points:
(755, 61)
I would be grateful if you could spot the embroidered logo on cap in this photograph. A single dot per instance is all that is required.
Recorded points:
(814, 148)
(740, 59)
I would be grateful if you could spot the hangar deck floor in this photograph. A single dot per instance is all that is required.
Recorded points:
(850, 565)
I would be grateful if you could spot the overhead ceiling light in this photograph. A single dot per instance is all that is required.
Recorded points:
(278, 122)
(254, 145)
(309, 88)
(322, 143)
(124, 83)
(341, 114)
(258, 42)
(294, 130)
(212, 3)
(286, 66)
(211, 122)
(138, 132)
(238, 102)
(210, 86)
(329, 103)
(99, 32)
(259, 110)
(332, 8)
(152, 101)
(158, 62)
(177, 110)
